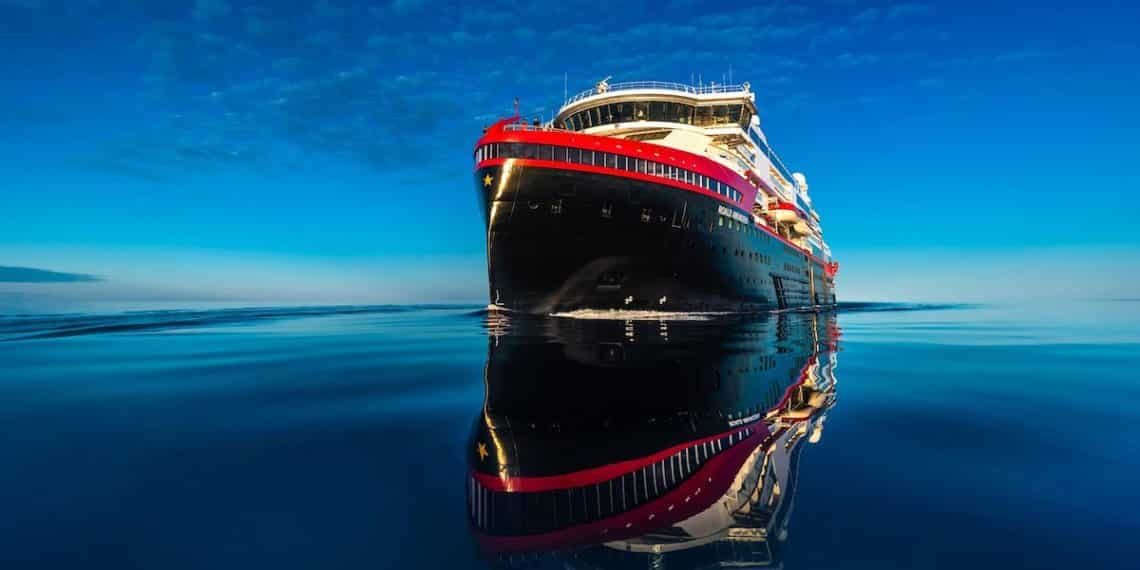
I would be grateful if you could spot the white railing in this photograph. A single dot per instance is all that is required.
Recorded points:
(528, 127)
(663, 85)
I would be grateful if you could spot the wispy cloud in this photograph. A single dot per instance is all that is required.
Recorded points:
(833, 34)
(205, 10)
(907, 10)
(849, 59)
(866, 17)
(1022, 55)
(10, 274)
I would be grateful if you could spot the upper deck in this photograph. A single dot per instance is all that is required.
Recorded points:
(718, 121)
(659, 102)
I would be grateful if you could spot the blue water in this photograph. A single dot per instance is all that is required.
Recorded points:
(945, 437)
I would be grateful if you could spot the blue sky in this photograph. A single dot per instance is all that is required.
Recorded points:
(319, 152)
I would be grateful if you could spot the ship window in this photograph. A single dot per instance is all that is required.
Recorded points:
(622, 112)
(595, 115)
(574, 155)
(640, 110)
(680, 113)
(605, 113)
(560, 153)
(611, 160)
(546, 152)
(703, 116)
(745, 117)
(588, 157)
(720, 115)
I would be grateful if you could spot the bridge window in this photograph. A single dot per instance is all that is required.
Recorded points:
(718, 115)
(663, 111)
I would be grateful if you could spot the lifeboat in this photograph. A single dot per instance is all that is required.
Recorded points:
(784, 212)
(801, 228)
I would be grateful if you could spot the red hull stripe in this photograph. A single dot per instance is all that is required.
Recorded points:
(588, 476)
(695, 494)
(630, 148)
(536, 163)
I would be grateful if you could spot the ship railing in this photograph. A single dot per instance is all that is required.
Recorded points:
(528, 127)
(663, 85)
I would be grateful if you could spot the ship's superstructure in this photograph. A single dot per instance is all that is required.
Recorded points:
(649, 195)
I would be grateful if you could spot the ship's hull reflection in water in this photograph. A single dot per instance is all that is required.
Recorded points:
(606, 443)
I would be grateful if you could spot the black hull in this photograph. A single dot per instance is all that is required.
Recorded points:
(562, 240)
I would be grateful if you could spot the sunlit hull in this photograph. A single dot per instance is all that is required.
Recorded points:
(563, 239)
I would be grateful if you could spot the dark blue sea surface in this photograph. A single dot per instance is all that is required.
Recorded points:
(877, 436)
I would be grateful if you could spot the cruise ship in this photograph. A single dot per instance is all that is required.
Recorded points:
(648, 196)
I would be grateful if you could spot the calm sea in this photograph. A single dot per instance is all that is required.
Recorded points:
(880, 436)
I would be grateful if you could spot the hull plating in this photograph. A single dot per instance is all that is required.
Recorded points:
(561, 240)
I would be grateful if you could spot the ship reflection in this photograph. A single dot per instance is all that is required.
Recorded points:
(608, 443)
